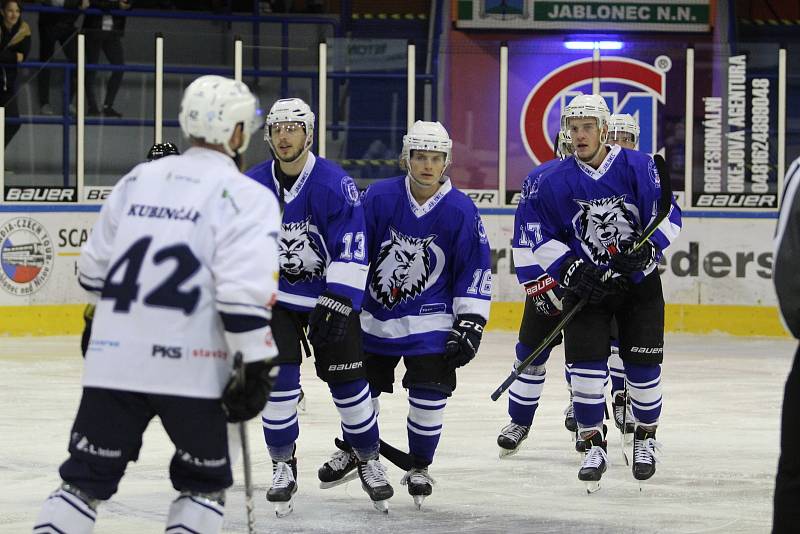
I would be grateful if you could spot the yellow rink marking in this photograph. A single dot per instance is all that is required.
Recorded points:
(67, 319)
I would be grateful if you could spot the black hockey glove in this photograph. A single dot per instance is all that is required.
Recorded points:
(245, 401)
(585, 280)
(88, 317)
(328, 320)
(634, 261)
(463, 340)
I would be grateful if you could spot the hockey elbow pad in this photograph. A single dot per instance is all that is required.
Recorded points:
(328, 320)
(245, 401)
(464, 339)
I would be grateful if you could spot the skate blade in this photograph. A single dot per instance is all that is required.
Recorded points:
(504, 453)
(282, 509)
(592, 486)
(381, 506)
(347, 478)
(418, 500)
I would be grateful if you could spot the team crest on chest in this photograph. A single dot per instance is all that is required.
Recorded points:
(301, 258)
(606, 225)
(405, 267)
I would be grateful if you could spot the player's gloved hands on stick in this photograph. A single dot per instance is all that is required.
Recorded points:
(88, 317)
(328, 320)
(584, 279)
(245, 401)
(463, 340)
(633, 261)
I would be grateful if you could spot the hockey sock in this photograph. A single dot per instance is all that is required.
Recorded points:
(567, 377)
(588, 399)
(616, 368)
(424, 422)
(644, 387)
(359, 420)
(523, 396)
(279, 417)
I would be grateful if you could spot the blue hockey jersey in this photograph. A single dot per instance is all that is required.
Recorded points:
(527, 231)
(322, 243)
(429, 264)
(594, 213)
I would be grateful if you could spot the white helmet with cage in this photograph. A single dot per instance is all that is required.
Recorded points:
(624, 123)
(290, 110)
(430, 136)
(587, 106)
(211, 108)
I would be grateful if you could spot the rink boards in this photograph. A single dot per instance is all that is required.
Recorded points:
(716, 277)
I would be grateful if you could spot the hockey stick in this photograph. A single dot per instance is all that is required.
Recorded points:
(401, 459)
(664, 207)
(238, 370)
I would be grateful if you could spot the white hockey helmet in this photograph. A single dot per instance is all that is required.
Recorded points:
(586, 106)
(211, 108)
(425, 135)
(290, 110)
(624, 123)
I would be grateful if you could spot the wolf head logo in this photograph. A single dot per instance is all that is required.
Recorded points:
(300, 257)
(402, 270)
(606, 225)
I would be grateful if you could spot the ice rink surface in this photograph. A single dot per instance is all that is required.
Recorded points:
(719, 429)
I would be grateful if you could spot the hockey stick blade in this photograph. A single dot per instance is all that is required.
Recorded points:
(567, 317)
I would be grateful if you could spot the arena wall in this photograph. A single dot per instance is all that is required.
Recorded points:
(717, 277)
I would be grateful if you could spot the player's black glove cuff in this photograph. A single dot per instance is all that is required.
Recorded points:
(463, 340)
(328, 320)
(243, 402)
(88, 317)
(633, 261)
(585, 280)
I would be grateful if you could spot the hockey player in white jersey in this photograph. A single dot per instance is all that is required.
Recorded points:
(182, 264)
(428, 292)
(592, 208)
(323, 270)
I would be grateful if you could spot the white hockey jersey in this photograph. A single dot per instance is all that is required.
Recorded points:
(183, 245)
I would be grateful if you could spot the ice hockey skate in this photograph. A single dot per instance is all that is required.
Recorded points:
(420, 483)
(595, 461)
(373, 479)
(646, 452)
(284, 486)
(511, 437)
(340, 468)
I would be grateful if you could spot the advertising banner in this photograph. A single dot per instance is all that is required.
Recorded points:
(715, 261)
(38, 254)
(735, 129)
(593, 15)
(644, 81)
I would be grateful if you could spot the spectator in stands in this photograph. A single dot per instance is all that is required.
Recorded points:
(57, 28)
(15, 43)
(104, 32)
